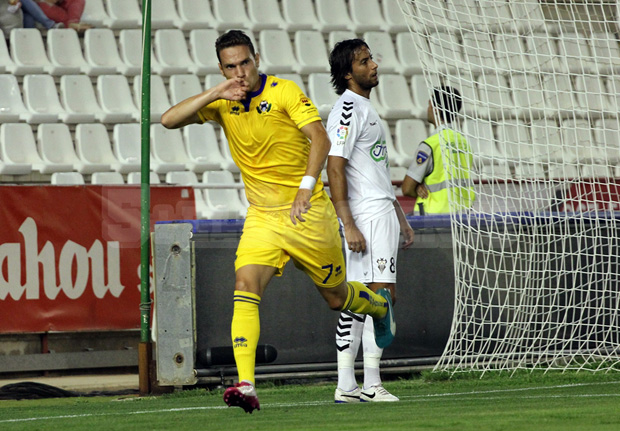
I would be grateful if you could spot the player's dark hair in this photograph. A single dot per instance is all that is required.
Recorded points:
(447, 101)
(233, 38)
(341, 61)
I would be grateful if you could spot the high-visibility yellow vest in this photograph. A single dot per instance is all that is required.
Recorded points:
(453, 178)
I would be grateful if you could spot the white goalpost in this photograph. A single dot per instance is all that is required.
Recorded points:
(537, 258)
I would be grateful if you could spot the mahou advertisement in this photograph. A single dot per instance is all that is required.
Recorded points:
(70, 255)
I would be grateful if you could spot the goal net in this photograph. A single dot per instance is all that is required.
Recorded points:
(537, 257)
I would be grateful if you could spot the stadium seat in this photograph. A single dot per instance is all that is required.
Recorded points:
(322, 93)
(528, 95)
(194, 14)
(497, 17)
(296, 77)
(465, 12)
(167, 150)
(65, 52)
(432, 15)
(13, 157)
(106, 178)
(510, 52)
(95, 14)
(127, 145)
(203, 147)
(101, 52)
(123, 14)
(366, 16)
(480, 136)
(394, 17)
(298, 15)
(607, 136)
(171, 52)
(202, 51)
(19, 145)
(420, 95)
(408, 56)
(223, 203)
(559, 93)
(116, 100)
(542, 50)
(12, 108)
(578, 138)
(41, 99)
(528, 170)
(229, 14)
(213, 79)
(185, 178)
(469, 93)
(495, 96)
(445, 51)
(575, 46)
(56, 147)
(229, 163)
(333, 15)
(136, 178)
(92, 144)
(78, 99)
(183, 86)
(276, 52)
(478, 52)
(515, 141)
(264, 14)
(394, 97)
(605, 50)
(396, 158)
(591, 96)
(408, 133)
(383, 51)
(547, 142)
(338, 36)
(595, 170)
(93, 153)
(311, 52)
(159, 96)
(67, 179)
(164, 14)
(528, 17)
(6, 62)
(612, 84)
(130, 50)
(561, 171)
(28, 51)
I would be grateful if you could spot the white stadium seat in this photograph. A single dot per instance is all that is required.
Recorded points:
(65, 52)
(366, 16)
(322, 93)
(92, 145)
(6, 62)
(56, 146)
(115, 99)
(123, 14)
(94, 13)
(394, 17)
(14, 159)
(276, 52)
(171, 52)
(28, 51)
(127, 145)
(107, 178)
(202, 51)
(101, 52)
(408, 57)
(41, 99)
(333, 15)
(298, 15)
(159, 96)
(194, 14)
(164, 14)
(167, 150)
(229, 14)
(311, 52)
(136, 178)
(264, 14)
(12, 107)
(183, 86)
(203, 147)
(78, 99)
(383, 51)
(224, 203)
(67, 179)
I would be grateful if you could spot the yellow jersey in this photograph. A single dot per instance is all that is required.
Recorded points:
(265, 139)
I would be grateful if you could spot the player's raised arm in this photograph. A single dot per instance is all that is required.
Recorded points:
(186, 111)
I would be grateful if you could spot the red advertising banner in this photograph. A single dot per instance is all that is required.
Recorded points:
(593, 195)
(70, 255)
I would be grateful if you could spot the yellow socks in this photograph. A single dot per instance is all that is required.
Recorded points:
(362, 300)
(245, 331)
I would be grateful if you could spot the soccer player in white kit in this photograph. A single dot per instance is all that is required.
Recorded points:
(370, 215)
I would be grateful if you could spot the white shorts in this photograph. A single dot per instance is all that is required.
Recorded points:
(378, 263)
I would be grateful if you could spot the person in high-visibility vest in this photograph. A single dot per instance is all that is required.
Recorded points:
(441, 183)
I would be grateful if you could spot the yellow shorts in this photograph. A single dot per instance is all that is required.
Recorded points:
(270, 238)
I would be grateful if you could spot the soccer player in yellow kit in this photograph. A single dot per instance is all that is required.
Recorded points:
(280, 145)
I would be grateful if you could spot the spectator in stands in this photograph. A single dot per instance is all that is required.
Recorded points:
(11, 16)
(33, 15)
(67, 12)
(428, 180)
(280, 145)
(371, 217)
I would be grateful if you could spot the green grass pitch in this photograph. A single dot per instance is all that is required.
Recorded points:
(553, 401)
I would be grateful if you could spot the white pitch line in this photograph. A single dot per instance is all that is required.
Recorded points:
(412, 398)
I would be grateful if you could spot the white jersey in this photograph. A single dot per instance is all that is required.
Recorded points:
(357, 134)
